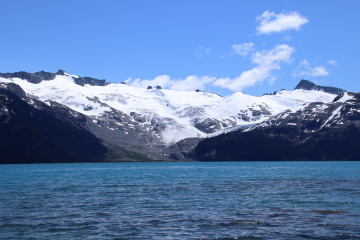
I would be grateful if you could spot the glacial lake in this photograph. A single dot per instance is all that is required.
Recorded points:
(223, 200)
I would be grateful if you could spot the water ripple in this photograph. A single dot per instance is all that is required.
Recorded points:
(279, 200)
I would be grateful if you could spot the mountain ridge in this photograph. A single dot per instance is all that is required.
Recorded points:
(166, 125)
(40, 76)
(307, 85)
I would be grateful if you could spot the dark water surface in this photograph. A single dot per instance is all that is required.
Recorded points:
(243, 200)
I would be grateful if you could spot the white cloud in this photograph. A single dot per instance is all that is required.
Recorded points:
(332, 63)
(187, 84)
(223, 55)
(319, 71)
(286, 38)
(162, 81)
(243, 49)
(200, 50)
(267, 61)
(304, 69)
(191, 83)
(271, 79)
(271, 22)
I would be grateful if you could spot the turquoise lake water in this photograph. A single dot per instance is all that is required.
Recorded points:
(228, 200)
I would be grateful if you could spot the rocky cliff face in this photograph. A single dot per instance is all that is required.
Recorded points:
(307, 85)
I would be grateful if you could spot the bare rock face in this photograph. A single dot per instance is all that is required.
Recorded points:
(138, 117)
(208, 125)
(14, 88)
(30, 77)
(47, 76)
(91, 81)
(307, 85)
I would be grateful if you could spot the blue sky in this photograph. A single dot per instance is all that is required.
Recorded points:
(217, 46)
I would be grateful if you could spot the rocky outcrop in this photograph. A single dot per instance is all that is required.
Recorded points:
(14, 88)
(307, 85)
(208, 125)
(88, 80)
(47, 76)
(30, 77)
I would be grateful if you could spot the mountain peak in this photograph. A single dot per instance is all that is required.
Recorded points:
(307, 85)
(60, 72)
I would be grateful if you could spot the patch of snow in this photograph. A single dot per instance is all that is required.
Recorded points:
(345, 97)
(332, 116)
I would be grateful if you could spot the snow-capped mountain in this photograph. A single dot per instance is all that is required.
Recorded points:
(169, 115)
(166, 124)
(318, 132)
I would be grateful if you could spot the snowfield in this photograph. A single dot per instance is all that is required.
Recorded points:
(178, 111)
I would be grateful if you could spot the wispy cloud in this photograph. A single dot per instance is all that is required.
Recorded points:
(224, 55)
(286, 38)
(319, 71)
(266, 61)
(332, 63)
(270, 22)
(200, 50)
(304, 69)
(197, 52)
(243, 49)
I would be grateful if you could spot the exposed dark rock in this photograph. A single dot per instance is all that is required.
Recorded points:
(137, 117)
(88, 80)
(88, 108)
(14, 88)
(60, 72)
(208, 125)
(30, 77)
(149, 87)
(46, 76)
(307, 85)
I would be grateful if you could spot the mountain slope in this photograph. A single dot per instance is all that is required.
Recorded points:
(29, 135)
(162, 117)
(167, 125)
(319, 132)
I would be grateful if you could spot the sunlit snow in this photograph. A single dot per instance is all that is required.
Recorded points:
(182, 107)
